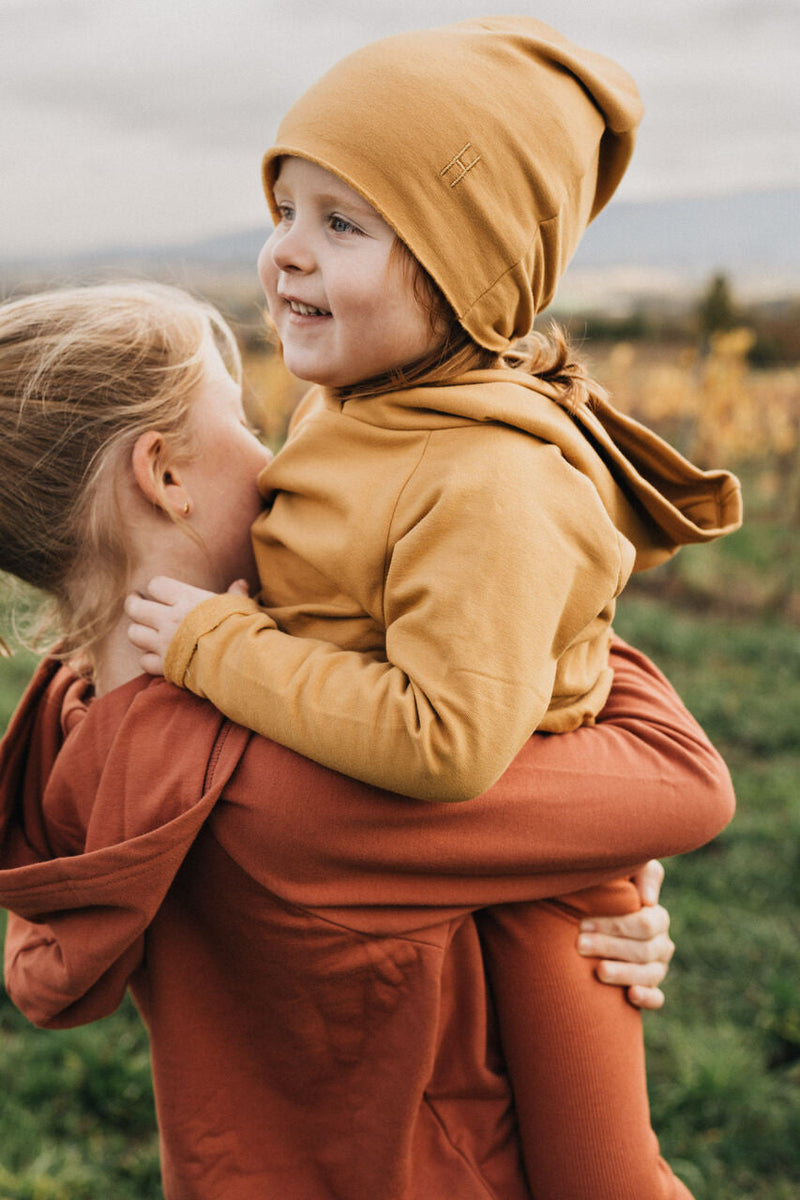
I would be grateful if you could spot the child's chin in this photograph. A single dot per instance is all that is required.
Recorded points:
(308, 372)
(324, 378)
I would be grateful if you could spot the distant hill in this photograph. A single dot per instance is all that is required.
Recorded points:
(745, 231)
(666, 245)
(670, 248)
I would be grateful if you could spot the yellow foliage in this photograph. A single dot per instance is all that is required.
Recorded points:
(271, 393)
(732, 344)
(717, 408)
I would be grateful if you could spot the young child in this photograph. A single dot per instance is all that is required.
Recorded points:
(452, 518)
(447, 527)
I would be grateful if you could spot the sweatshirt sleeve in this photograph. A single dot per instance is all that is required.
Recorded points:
(569, 813)
(491, 573)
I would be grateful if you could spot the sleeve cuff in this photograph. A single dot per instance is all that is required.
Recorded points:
(202, 619)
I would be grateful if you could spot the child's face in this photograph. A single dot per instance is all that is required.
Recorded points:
(342, 304)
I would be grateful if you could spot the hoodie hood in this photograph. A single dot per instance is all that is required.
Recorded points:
(94, 825)
(656, 498)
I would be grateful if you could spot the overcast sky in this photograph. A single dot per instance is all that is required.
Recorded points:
(143, 121)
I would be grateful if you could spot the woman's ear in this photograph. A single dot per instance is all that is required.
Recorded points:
(157, 477)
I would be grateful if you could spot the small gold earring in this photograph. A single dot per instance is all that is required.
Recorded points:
(186, 508)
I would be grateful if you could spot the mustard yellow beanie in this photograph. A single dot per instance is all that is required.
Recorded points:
(488, 146)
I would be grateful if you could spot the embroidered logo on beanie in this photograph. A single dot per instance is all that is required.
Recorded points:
(460, 164)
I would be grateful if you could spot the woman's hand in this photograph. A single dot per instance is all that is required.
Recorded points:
(634, 949)
(157, 615)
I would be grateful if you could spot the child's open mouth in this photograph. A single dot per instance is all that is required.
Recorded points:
(306, 310)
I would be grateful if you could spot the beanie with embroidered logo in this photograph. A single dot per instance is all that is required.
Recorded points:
(488, 146)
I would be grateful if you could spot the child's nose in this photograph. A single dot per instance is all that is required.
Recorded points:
(292, 251)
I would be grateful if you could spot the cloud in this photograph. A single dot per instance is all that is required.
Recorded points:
(141, 118)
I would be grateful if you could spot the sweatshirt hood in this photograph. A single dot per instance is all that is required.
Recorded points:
(656, 497)
(94, 824)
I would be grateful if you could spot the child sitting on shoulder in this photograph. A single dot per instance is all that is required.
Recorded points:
(451, 519)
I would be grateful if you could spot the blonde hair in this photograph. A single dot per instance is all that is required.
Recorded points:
(547, 356)
(83, 373)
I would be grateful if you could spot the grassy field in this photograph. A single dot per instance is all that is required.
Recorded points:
(725, 1057)
(76, 1117)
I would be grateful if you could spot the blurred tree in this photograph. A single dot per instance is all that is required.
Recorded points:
(716, 310)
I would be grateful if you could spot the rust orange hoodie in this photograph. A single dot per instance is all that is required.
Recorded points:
(301, 946)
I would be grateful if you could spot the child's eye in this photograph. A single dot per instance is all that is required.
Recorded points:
(342, 225)
(286, 212)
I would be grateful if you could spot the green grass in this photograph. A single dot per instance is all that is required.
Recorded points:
(76, 1118)
(76, 1111)
(14, 675)
(724, 1058)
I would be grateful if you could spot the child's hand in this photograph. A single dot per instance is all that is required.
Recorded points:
(635, 949)
(157, 615)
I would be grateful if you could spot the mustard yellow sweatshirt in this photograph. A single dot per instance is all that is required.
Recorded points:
(439, 568)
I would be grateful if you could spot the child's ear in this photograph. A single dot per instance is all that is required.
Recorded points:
(156, 475)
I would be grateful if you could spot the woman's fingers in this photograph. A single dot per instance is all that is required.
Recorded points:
(648, 881)
(634, 952)
(650, 998)
(648, 922)
(659, 948)
(641, 981)
(624, 974)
